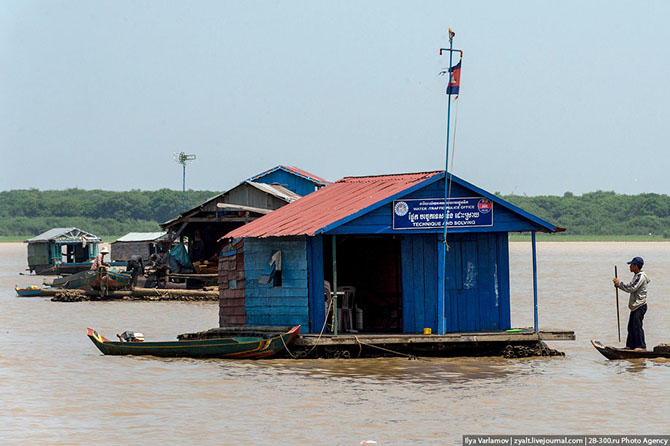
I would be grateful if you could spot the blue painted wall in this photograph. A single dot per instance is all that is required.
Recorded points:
(478, 296)
(379, 221)
(477, 282)
(299, 185)
(419, 282)
(284, 305)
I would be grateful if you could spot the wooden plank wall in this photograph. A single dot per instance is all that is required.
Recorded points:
(232, 307)
(299, 185)
(125, 250)
(478, 295)
(419, 282)
(284, 305)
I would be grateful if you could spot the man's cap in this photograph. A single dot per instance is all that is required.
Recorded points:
(104, 251)
(636, 261)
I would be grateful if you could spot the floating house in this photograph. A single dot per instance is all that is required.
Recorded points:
(62, 251)
(136, 243)
(244, 203)
(376, 242)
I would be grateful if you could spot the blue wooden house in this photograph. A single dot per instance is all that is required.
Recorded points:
(381, 236)
(297, 180)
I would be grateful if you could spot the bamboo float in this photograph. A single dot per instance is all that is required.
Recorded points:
(134, 294)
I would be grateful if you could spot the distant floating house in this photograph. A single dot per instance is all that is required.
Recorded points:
(62, 251)
(136, 243)
(381, 238)
(249, 200)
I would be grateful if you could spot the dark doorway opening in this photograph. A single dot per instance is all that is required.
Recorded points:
(371, 265)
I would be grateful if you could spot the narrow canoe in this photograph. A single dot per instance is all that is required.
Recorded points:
(622, 353)
(248, 347)
(27, 291)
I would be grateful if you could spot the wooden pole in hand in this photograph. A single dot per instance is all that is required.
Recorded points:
(618, 321)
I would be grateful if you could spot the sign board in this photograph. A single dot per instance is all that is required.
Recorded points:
(428, 213)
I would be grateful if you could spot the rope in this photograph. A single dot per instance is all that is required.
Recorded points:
(325, 322)
(451, 169)
(286, 347)
(385, 349)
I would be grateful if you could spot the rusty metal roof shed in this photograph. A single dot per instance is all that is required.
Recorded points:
(351, 197)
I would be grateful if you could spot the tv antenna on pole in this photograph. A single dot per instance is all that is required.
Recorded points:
(182, 158)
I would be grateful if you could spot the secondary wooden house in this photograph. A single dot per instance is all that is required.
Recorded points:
(62, 250)
(380, 236)
(136, 243)
(244, 203)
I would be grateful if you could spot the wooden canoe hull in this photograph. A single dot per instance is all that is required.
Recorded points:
(28, 291)
(228, 347)
(621, 353)
(111, 279)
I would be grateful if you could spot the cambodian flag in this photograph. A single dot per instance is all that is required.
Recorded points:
(454, 79)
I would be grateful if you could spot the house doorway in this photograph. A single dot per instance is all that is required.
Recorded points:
(371, 265)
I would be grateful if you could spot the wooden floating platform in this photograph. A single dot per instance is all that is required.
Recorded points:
(134, 294)
(499, 343)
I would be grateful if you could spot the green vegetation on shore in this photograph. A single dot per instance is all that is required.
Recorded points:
(601, 213)
(100, 212)
(595, 216)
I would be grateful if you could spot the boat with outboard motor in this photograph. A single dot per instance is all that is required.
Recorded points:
(235, 343)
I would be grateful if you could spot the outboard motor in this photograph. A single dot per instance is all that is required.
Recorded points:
(131, 336)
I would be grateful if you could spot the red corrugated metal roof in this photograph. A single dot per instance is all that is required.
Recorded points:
(328, 205)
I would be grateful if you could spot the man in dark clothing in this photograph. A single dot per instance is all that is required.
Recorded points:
(637, 303)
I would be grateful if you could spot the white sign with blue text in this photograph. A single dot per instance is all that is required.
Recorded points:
(428, 213)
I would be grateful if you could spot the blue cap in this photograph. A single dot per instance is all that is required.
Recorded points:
(637, 261)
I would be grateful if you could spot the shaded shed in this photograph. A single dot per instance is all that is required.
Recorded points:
(220, 214)
(136, 243)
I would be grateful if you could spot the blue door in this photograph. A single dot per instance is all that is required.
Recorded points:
(477, 297)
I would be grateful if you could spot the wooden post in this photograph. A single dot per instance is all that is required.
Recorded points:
(334, 286)
(535, 282)
(618, 320)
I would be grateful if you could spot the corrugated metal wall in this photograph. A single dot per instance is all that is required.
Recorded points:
(269, 305)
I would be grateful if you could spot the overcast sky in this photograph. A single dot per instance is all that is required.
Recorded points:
(555, 96)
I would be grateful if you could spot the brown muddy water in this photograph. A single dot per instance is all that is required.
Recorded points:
(56, 388)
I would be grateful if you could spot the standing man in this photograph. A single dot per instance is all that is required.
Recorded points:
(637, 303)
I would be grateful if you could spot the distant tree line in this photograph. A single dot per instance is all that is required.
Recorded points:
(32, 211)
(601, 213)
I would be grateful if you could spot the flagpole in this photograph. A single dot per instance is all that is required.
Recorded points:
(441, 329)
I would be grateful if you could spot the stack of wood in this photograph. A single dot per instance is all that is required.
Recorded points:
(206, 267)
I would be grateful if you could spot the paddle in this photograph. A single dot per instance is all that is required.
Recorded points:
(618, 320)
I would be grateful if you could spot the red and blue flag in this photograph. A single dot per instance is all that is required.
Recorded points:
(454, 79)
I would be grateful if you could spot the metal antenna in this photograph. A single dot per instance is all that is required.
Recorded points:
(182, 158)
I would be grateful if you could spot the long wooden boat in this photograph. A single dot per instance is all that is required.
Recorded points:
(107, 278)
(263, 345)
(660, 351)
